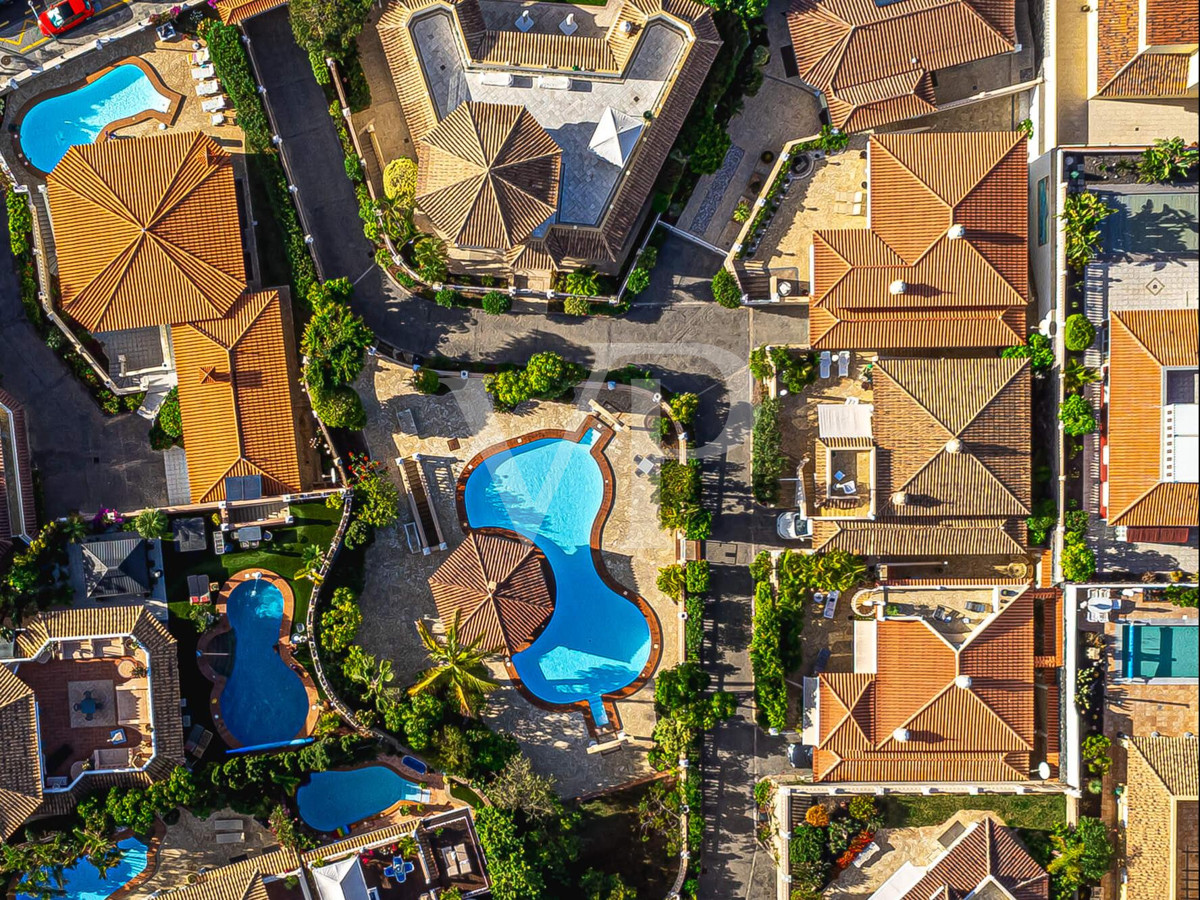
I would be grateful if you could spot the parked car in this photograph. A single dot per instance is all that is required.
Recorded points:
(62, 17)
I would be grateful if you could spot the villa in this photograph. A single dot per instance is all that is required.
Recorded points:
(17, 509)
(981, 708)
(931, 461)
(89, 698)
(942, 261)
(539, 140)
(1160, 819)
(151, 261)
(877, 63)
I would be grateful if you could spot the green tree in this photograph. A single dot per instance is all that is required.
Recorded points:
(447, 298)
(711, 147)
(1168, 160)
(725, 289)
(1076, 375)
(374, 676)
(456, 666)
(335, 338)
(420, 717)
(597, 885)
(312, 558)
(328, 27)
(1083, 854)
(339, 406)
(429, 256)
(400, 180)
(638, 280)
(341, 621)
(518, 786)
(577, 306)
(548, 374)
(20, 222)
(514, 876)
(684, 408)
(1082, 214)
(1077, 416)
(152, 524)
(1078, 333)
(496, 303)
(1037, 349)
(426, 381)
(376, 500)
(509, 389)
(1078, 559)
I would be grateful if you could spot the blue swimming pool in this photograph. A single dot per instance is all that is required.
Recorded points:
(1161, 651)
(83, 882)
(341, 797)
(551, 491)
(52, 126)
(263, 701)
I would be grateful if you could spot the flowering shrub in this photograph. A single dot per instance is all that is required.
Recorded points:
(857, 846)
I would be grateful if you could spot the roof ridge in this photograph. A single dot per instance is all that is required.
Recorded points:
(1119, 315)
(161, 210)
(1016, 140)
(881, 363)
(882, 145)
(96, 178)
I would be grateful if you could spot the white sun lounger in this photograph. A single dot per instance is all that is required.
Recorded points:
(218, 119)
(826, 361)
(215, 104)
(199, 73)
(208, 88)
(843, 364)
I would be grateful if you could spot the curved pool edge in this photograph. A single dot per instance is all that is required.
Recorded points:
(223, 626)
(605, 435)
(153, 845)
(428, 781)
(174, 98)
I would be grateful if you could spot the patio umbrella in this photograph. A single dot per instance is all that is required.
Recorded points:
(499, 583)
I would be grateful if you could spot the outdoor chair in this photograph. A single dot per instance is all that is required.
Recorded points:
(843, 364)
(208, 88)
(201, 73)
(849, 488)
(826, 362)
(942, 614)
(200, 57)
(217, 119)
(216, 104)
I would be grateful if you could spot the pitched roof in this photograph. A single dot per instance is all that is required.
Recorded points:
(146, 232)
(20, 770)
(109, 565)
(1145, 47)
(241, 880)
(967, 291)
(873, 60)
(234, 12)
(488, 175)
(985, 854)
(1162, 776)
(235, 396)
(498, 583)
(965, 713)
(1141, 344)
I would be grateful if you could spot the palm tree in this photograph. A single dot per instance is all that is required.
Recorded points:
(1076, 375)
(459, 666)
(429, 256)
(75, 528)
(98, 847)
(312, 557)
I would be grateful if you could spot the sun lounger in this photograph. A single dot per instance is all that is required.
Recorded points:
(843, 364)
(831, 604)
(200, 73)
(227, 824)
(231, 837)
(200, 57)
(826, 361)
(216, 104)
(208, 88)
(218, 119)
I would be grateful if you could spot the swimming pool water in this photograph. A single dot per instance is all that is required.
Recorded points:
(1162, 651)
(263, 701)
(341, 797)
(83, 882)
(550, 491)
(54, 125)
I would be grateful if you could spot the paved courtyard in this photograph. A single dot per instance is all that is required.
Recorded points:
(448, 430)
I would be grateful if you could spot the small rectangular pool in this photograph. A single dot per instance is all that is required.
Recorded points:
(1151, 220)
(1160, 651)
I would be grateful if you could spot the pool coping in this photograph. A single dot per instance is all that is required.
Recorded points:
(286, 653)
(1125, 655)
(605, 436)
(175, 99)
(429, 781)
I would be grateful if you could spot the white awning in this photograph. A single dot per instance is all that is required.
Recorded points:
(849, 420)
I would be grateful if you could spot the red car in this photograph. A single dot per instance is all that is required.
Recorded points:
(62, 17)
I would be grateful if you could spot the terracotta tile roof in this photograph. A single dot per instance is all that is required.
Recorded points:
(1141, 344)
(147, 232)
(985, 851)
(1161, 781)
(912, 537)
(1145, 47)
(241, 880)
(488, 175)
(1172, 22)
(236, 389)
(969, 291)
(872, 61)
(234, 12)
(567, 246)
(966, 713)
(498, 583)
(403, 827)
(21, 517)
(20, 771)
(1151, 75)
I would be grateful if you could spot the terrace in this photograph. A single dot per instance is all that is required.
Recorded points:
(954, 612)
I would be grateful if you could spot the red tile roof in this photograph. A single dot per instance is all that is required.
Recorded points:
(234, 12)
(985, 851)
(969, 291)
(1144, 47)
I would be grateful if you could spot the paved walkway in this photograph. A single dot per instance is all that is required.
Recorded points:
(86, 460)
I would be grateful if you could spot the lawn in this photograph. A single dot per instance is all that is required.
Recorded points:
(315, 524)
(612, 841)
(1035, 812)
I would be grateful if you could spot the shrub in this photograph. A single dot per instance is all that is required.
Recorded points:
(20, 223)
(817, 815)
(577, 306)
(678, 491)
(1168, 160)
(863, 808)
(741, 212)
(429, 257)
(698, 577)
(766, 458)
(1043, 520)
(638, 281)
(684, 408)
(152, 524)
(766, 662)
(354, 169)
(1037, 349)
(1076, 521)
(725, 289)
(496, 303)
(320, 71)
(339, 406)
(671, 581)
(376, 500)
(170, 419)
(581, 281)
(1178, 595)
(660, 202)
(1077, 416)
(509, 389)
(446, 298)
(1079, 333)
(400, 180)
(336, 338)
(1082, 214)
(1078, 560)
(711, 147)
(340, 622)
(760, 568)
(426, 381)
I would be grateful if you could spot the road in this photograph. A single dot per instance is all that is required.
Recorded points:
(674, 328)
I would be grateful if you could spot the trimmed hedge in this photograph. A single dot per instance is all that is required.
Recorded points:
(1079, 333)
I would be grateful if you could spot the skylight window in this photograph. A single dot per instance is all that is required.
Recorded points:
(1181, 442)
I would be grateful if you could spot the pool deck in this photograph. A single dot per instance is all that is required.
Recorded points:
(286, 652)
(450, 429)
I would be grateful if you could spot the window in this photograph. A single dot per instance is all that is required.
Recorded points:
(1181, 386)
(1043, 212)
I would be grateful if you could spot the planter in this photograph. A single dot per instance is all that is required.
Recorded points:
(803, 165)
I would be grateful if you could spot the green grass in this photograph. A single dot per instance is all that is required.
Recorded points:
(465, 794)
(315, 524)
(1039, 812)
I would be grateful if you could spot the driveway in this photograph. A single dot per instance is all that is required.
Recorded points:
(85, 460)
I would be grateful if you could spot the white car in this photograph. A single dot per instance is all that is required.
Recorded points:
(792, 526)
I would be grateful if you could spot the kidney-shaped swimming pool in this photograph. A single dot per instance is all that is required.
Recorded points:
(551, 491)
(340, 797)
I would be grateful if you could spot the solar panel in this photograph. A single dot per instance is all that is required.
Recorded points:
(243, 487)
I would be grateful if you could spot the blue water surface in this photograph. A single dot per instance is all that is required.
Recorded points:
(264, 701)
(1162, 651)
(83, 882)
(52, 126)
(550, 491)
(341, 797)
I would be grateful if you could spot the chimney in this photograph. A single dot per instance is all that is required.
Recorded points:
(954, 445)
(901, 734)
(956, 231)
(962, 681)
(898, 286)
(899, 498)
(626, 27)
